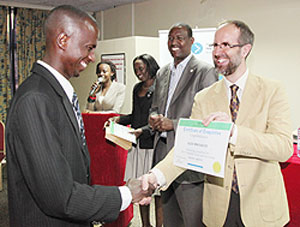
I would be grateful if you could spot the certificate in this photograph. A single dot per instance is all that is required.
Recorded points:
(202, 149)
(122, 132)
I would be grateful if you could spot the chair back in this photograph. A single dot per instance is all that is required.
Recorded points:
(2, 138)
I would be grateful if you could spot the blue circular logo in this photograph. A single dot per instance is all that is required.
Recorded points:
(197, 48)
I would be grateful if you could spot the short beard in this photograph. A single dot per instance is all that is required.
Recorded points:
(230, 69)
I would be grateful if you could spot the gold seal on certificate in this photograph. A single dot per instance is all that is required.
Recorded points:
(202, 149)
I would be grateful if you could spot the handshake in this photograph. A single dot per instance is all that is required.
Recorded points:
(142, 188)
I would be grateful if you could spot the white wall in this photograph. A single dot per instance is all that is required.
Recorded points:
(131, 46)
(276, 52)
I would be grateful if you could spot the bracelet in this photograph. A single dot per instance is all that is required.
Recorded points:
(91, 99)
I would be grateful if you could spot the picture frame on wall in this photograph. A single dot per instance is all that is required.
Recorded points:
(119, 60)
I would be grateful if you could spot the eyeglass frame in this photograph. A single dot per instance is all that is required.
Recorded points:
(226, 45)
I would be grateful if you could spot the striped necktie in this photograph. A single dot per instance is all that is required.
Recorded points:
(75, 105)
(234, 108)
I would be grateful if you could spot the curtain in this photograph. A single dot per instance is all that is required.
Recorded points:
(30, 40)
(5, 78)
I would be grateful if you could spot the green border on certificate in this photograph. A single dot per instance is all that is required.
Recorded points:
(198, 124)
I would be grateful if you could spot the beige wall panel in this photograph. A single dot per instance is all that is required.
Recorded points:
(117, 22)
(147, 45)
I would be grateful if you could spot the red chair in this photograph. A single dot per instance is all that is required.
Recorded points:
(2, 152)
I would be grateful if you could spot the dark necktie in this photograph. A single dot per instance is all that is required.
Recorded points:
(75, 105)
(234, 107)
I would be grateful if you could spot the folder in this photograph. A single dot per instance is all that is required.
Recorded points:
(125, 144)
(120, 135)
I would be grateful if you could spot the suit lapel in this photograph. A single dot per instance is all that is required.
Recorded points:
(251, 96)
(71, 115)
(65, 100)
(220, 98)
(184, 79)
(166, 83)
(74, 121)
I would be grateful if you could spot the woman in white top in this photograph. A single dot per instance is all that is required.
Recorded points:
(106, 95)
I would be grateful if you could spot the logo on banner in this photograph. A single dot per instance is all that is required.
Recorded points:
(197, 48)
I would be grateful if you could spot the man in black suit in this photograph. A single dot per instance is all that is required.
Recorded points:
(48, 161)
(176, 85)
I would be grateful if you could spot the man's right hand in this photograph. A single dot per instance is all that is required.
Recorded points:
(149, 182)
(155, 121)
(138, 192)
(160, 123)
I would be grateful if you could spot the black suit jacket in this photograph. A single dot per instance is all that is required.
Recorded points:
(48, 167)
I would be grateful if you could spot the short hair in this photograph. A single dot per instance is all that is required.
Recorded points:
(149, 61)
(65, 10)
(112, 67)
(186, 26)
(246, 35)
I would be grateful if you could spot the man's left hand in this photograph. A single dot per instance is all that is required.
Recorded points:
(166, 124)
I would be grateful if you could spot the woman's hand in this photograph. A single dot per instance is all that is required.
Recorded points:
(94, 89)
(137, 132)
(115, 119)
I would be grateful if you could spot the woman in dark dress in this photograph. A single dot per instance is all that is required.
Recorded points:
(139, 159)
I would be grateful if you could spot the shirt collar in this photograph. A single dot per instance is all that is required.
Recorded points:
(241, 82)
(66, 85)
(182, 64)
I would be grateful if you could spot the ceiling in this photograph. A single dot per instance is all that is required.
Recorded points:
(86, 5)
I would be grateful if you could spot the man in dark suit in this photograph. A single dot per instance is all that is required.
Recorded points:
(176, 85)
(48, 161)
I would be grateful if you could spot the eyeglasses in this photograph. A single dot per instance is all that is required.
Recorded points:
(225, 45)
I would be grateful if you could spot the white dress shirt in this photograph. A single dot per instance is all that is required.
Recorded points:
(176, 73)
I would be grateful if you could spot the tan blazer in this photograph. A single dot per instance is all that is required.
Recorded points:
(264, 139)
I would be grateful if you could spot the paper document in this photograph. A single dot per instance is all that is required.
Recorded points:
(125, 144)
(202, 149)
(122, 132)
